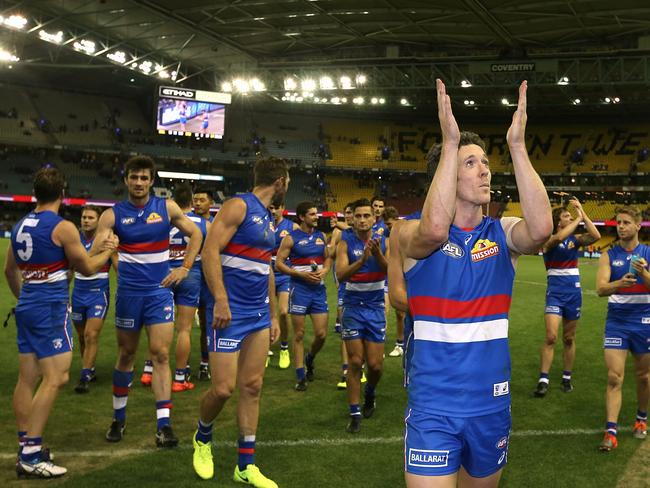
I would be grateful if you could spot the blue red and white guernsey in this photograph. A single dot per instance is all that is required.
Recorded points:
(629, 305)
(281, 231)
(178, 243)
(246, 260)
(97, 282)
(380, 228)
(561, 261)
(43, 265)
(143, 253)
(307, 254)
(459, 298)
(366, 286)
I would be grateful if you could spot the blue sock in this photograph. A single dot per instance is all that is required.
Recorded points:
(163, 408)
(543, 378)
(32, 450)
(566, 375)
(246, 452)
(309, 359)
(611, 427)
(399, 343)
(121, 383)
(284, 345)
(642, 416)
(204, 357)
(22, 434)
(300, 373)
(344, 367)
(355, 409)
(86, 374)
(370, 390)
(204, 432)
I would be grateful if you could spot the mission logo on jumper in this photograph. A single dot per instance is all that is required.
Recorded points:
(425, 458)
(452, 250)
(154, 218)
(483, 249)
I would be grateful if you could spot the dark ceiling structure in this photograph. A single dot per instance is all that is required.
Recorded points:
(591, 53)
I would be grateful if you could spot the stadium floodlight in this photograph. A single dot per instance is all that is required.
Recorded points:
(14, 21)
(146, 67)
(358, 100)
(345, 82)
(616, 99)
(336, 100)
(85, 46)
(361, 79)
(576, 101)
(308, 85)
(117, 56)
(284, 98)
(174, 75)
(563, 80)
(6, 56)
(299, 99)
(504, 101)
(465, 84)
(326, 83)
(257, 85)
(290, 84)
(382, 101)
(316, 99)
(608, 100)
(241, 85)
(404, 101)
(226, 87)
(344, 100)
(163, 74)
(374, 100)
(56, 38)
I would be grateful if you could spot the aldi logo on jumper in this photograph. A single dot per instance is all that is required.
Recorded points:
(483, 249)
(425, 458)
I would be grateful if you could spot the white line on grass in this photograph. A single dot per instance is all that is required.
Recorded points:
(351, 441)
(538, 283)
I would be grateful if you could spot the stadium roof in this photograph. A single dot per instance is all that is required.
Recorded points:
(603, 47)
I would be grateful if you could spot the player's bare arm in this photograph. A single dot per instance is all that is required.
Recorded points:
(422, 237)
(65, 234)
(604, 287)
(534, 230)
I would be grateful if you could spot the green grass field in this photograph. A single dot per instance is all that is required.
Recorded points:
(301, 439)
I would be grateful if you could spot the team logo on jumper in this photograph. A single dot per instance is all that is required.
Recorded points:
(227, 343)
(483, 249)
(379, 231)
(320, 242)
(154, 218)
(501, 389)
(618, 262)
(571, 245)
(613, 341)
(128, 220)
(426, 458)
(284, 233)
(503, 442)
(452, 250)
(57, 343)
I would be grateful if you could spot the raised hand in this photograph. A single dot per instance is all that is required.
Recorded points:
(448, 125)
(578, 206)
(517, 132)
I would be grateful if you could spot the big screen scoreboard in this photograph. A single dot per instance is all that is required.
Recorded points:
(192, 113)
